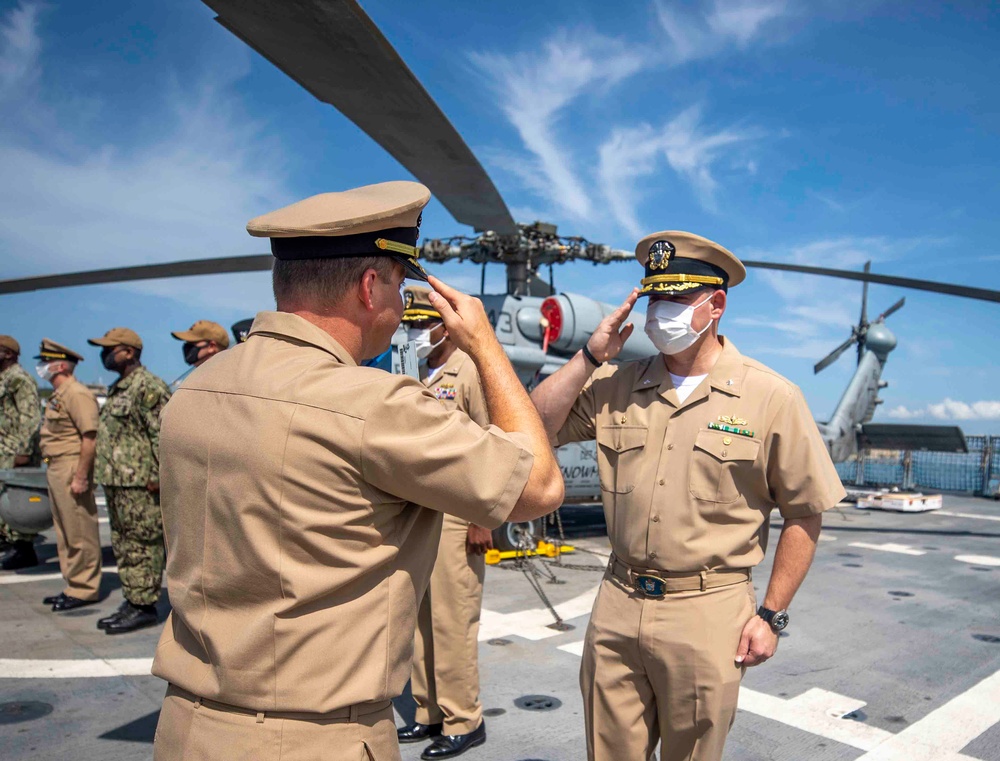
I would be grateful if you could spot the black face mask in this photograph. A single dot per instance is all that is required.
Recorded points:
(107, 360)
(191, 351)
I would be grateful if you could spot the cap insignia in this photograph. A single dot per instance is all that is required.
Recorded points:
(408, 300)
(660, 254)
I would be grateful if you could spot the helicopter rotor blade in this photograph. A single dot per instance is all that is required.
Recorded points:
(834, 355)
(983, 294)
(894, 308)
(335, 51)
(864, 296)
(219, 266)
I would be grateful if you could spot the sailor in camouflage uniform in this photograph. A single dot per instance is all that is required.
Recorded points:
(128, 468)
(20, 416)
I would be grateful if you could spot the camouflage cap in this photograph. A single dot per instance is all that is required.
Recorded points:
(204, 330)
(52, 351)
(417, 304)
(118, 337)
(374, 220)
(9, 342)
(678, 262)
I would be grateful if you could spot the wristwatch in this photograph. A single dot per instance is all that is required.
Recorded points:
(778, 619)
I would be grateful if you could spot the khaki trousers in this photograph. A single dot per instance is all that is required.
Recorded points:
(192, 730)
(445, 680)
(662, 669)
(78, 540)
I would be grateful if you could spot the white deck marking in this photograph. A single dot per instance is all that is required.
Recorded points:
(818, 712)
(968, 515)
(942, 733)
(24, 578)
(827, 538)
(11, 668)
(939, 736)
(901, 549)
(533, 624)
(573, 648)
(978, 559)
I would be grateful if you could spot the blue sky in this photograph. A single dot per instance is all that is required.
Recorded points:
(791, 131)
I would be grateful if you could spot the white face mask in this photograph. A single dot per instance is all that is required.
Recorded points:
(44, 372)
(422, 338)
(668, 325)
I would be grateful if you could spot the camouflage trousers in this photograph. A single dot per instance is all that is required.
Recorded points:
(7, 534)
(137, 541)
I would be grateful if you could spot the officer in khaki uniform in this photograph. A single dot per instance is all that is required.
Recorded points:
(68, 443)
(696, 446)
(20, 413)
(445, 680)
(128, 467)
(202, 341)
(297, 547)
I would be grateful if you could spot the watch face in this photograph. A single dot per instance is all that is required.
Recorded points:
(780, 620)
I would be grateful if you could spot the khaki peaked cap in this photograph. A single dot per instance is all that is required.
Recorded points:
(50, 350)
(417, 304)
(9, 342)
(204, 330)
(677, 261)
(118, 337)
(374, 220)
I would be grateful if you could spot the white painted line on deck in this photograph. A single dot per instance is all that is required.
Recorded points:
(978, 559)
(827, 538)
(818, 712)
(573, 648)
(942, 733)
(11, 668)
(533, 624)
(901, 549)
(968, 515)
(23, 578)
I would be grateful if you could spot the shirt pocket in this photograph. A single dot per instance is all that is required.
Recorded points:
(721, 465)
(120, 407)
(619, 456)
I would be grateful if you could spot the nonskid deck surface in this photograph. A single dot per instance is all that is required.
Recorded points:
(893, 653)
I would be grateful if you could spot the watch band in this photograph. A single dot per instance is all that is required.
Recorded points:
(590, 357)
(766, 613)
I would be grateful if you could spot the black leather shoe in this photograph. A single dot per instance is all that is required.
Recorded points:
(450, 746)
(70, 603)
(22, 556)
(52, 599)
(416, 732)
(103, 623)
(132, 618)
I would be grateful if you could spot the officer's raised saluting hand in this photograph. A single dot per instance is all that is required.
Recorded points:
(464, 317)
(608, 339)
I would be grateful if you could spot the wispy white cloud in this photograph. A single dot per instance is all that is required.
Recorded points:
(185, 194)
(689, 148)
(534, 90)
(20, 47)
(949, 409)
(712, 28)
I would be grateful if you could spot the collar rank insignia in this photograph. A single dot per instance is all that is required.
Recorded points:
(660, 254)
(446, 391)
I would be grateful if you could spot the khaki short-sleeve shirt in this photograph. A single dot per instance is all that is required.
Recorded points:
(70, 413)
(682, 493)
(456, 385)
(296, 550)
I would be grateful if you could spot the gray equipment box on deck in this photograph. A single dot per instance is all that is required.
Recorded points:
(24, 500)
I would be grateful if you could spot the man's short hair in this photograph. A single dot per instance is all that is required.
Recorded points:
(324, 281)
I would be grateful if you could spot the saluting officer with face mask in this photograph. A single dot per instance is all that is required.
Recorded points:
(696, 446)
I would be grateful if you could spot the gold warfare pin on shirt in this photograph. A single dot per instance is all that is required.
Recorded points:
(732, 424)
